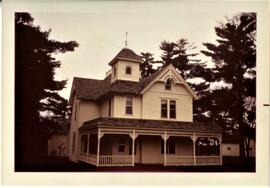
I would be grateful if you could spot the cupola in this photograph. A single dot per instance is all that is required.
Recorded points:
(125, 66)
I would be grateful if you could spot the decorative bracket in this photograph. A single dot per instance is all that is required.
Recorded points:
(165, 136)
(193, 138)
(133, 135)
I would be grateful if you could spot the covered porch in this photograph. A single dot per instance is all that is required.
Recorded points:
(114, 146)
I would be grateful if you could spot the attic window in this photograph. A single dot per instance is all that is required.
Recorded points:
(168, 84)
(128, 70)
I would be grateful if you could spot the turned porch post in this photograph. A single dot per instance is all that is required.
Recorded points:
(220, 148)
(99, 135)
(133, 137)
(165, 137)
(194, 148)
(88, 139)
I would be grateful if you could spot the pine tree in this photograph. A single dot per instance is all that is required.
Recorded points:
(34, 82)
(146, 66)
(234, 57)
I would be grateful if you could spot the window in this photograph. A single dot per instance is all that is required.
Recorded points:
(93, 144)
(73, 141)
(75, 112)
(122, 144)
(84, 140)
(172, 109)
(109, 107)
(164, 108)
(168, 111)
(168, 84)
(114, 71)
(128, 70)
(129, 105)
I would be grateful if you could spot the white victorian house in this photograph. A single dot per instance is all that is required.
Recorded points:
(125, 120)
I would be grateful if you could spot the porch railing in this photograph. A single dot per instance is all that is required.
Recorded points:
(115, 160)
(88, 158)
(175, 160)
(208, 160)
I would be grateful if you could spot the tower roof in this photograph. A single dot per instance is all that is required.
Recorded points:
(126, 54)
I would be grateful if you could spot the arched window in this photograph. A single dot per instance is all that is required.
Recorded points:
(168, 84)
(128, 70)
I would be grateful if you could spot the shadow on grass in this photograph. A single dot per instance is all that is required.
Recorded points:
(60, 164)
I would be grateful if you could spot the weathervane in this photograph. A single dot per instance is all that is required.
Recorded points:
(126, 39)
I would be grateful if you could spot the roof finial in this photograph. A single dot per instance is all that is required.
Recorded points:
(126, 39)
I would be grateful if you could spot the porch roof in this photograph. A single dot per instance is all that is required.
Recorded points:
(151, 124)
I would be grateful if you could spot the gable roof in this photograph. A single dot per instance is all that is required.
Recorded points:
(93, 89)
(126, 54)
(174, 71)
(149, 124)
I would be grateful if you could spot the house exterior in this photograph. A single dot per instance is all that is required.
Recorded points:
(124, 120)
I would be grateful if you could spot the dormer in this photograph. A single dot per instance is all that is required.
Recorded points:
(125, 66)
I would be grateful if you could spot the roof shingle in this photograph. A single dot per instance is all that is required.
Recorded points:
(126, 53)
(147, 123)
(93, 89)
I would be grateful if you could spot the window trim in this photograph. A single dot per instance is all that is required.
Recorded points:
(129, 105)
(164, 108)
(168, 109)
(168, 86)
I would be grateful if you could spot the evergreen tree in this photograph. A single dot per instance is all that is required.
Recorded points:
(234, 56)
(146, 65)
(34, 81)
(180, 55)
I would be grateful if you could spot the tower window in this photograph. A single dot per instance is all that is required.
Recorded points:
(128, 70)
(168, 84)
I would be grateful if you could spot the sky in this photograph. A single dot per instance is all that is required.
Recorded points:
(100, 31)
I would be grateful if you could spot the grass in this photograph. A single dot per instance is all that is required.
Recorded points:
(60, 164)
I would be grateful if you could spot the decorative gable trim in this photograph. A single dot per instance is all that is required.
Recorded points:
(170, 71)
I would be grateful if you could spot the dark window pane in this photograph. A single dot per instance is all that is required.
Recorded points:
(164, 108)
(129, 105)
(128, 70)
(168, 84)
(73, 141)
(93, 144)
(172, 109)
(84, 139)
(171, 144)
(129, 110)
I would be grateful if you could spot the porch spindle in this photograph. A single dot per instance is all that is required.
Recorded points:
(165, 149)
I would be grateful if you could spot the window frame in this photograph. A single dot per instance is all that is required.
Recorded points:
(168, 84)
(172, 112)
(168, 108)
(74, 142)
(129, 106)
(84, 149)
(165, 108)
(128, 70)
